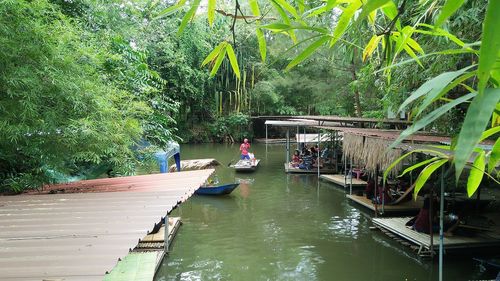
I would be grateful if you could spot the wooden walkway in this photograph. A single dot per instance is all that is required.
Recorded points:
(342, 181)
(292, 170)
(403, 207)
(422, 240)
(81, 236)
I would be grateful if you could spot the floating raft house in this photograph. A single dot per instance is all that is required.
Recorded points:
(79, 230)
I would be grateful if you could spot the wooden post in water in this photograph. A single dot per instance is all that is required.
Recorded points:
(350, 177)
(375, 193)
(431, 231)
(165, 242)
(441, 226)
(297, 138)
(288, 146)
(319, 142)
(266, 140)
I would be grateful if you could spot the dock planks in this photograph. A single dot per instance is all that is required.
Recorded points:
(342, 181)
(397, 226)
(408, 206)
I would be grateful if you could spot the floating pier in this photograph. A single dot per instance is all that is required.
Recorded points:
(314, 170)
(343, 181)
(402, 207)
(422, 241)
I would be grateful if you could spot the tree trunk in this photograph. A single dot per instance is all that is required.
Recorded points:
(357, 103)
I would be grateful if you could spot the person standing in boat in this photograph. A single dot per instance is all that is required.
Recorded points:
(244, 147)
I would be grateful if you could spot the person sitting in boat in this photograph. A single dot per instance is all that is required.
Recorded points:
(384, 195)
(295, 159)
(307, 161)
(244, 147)
(421, 222)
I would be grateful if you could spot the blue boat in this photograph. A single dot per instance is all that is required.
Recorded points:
(222, 189)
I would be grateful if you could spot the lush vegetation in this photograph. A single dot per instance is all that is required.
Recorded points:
(85, 83)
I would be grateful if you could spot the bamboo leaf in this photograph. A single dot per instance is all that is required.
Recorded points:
(344, 20)
(172, 9)
(419, 164)
(476, 174)
(254, 6)
(218, 62)
(475, 123)
(427, 119)
(211, 12)
(391, 11)
(396, 162)
(289, 8)
(262, 44)
(425, 174)
(435, 94)
(308, 51)
(213, 54)
(188, 16)
(233, 61)
(276, 27)
(415, 46)
(494, 156)
(330, 4)
(371, 6)
(490, 43)
(490, 132)
(371, 46)
(412, 54)
(449, 8)
(285, 19)
(433, 86)
(436, 31)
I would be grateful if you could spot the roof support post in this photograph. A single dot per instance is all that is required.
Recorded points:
(266, 140)
(288, 145)
(318, 158)
(350, 177)
(441, 238)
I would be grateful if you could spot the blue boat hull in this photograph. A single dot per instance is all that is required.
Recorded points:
(217, 190)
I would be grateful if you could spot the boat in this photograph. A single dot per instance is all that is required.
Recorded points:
(246, 165)
(221, 189)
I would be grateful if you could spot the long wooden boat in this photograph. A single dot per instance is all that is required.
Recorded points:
(246, 165)
(314, 170)
(222, 189)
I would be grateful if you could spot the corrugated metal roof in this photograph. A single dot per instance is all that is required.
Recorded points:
(80, 236)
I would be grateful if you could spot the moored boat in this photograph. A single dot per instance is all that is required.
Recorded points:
(222, 189)
(246, 165)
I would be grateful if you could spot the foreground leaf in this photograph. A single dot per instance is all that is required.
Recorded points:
(490, 43)
(371, 6)
(211, 12)
(395, 163)
(449, 8)
(218, 62)
(476, 174)
(475, 123)
(494, 156)
(233, 60)
(254, 6)
(262, 44)
(425, 174)
(344, 20)
(417, 165)
(308, 51)
(214, 53)
(371, 46)
(188, 16)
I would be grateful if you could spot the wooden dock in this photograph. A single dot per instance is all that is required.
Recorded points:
(403, 207)
(293, 170)
(343, 181)
(81, 231)
(397, 227)
(143, 261)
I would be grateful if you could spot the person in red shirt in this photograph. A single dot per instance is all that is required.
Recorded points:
(244, 147)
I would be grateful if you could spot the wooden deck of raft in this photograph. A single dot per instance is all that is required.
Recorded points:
(342, 181)
(397, 226)
(403, 207)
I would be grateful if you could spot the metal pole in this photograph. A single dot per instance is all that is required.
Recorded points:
(383, 195)
(165, 243)
(288, 147)
(441, 230)
(345, 171)
(266, 139)
(350, 184)
(297, 138)
(319, 142)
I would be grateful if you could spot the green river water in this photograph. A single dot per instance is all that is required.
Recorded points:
(276, 226)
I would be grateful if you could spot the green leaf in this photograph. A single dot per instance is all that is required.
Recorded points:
(285, 5)
(433, 86)
(412, 54)
(276, 27)
(285, 19)
(494, 156)
(211, 12)
(475, 123)
(427, 119)
(344, 20)
(308, 51)
(396, 162)
(436, 31)
(218, 62)
(330, 4)
(188, 16)
(436, 93)
(425, 174)
(214, 53)
(391, 11)
(449, 8)
(490, 43)
(233, 61)
(254, 6)
(490, 132)
(262, 44)
(370, 6)
(172, 9)
(417, 165)
(476, 174)
(371, 46)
